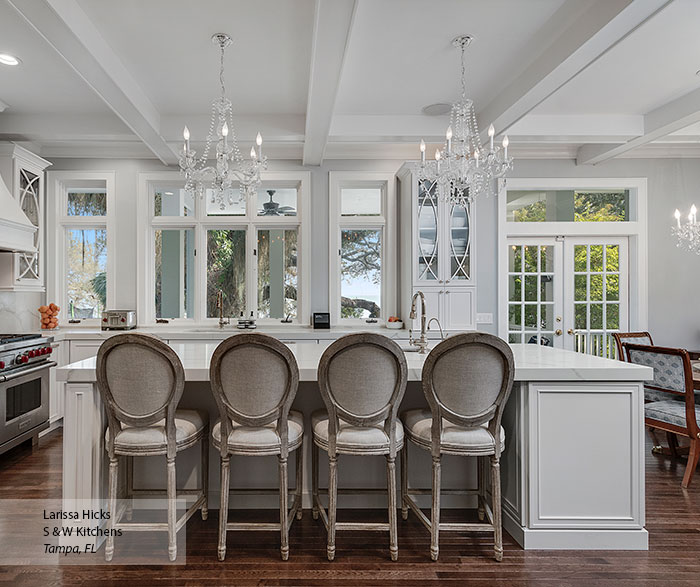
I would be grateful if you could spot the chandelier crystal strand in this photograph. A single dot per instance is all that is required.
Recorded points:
(688, 234)
(463, 169)
(230, 166)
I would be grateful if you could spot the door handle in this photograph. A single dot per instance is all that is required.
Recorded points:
(570, 331)
(558, 332)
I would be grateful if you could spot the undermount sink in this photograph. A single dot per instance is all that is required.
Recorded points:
(411, 349)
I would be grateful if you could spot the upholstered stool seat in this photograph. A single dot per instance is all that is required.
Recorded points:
(262, 440)
(459, 440)
(354, 439)
(153, 440)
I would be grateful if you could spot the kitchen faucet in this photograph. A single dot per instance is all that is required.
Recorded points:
(220, 307)
(422, 342)
(442, 334)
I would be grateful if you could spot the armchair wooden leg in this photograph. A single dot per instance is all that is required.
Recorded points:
(298, 494)
(693, 455)
(129, 488)
(205, 473)
(404, 480)
(113, 477)
(284, 512)
(435, 511)
(496, 495)
(332, 504)
(391, 487)
(672, 440)
(223, 508)
(314, 480)
(172, 509)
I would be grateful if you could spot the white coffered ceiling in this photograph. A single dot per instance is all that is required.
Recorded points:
(587, 79)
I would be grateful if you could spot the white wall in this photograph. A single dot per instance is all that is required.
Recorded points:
(674, 278)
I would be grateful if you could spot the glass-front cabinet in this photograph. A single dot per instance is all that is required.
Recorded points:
(440, 259)
(23, 172)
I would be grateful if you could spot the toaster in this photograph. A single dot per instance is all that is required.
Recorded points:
(118, 319)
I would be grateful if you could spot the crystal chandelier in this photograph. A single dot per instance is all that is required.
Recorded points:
(463, 169)
(230, 165)
(688, 235)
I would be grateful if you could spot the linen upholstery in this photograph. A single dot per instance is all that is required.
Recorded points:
(264, 438)
(188, 425)
(140, 379)
(468, 379)
(354, 439)
(669, 412)
(475, 441)
(669, 371)
(362, 378)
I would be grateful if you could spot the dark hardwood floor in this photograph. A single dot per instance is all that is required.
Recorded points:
(673, 521)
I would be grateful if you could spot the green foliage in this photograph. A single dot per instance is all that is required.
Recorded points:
(587, 207)
(226, 264)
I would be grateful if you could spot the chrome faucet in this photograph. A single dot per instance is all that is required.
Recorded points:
(422, 342)
(442, 334)
(220, 306)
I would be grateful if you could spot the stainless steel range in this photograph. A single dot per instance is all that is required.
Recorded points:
(25, 360)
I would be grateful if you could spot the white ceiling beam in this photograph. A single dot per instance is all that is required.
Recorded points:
(66, 27)
(664, 120)
(332, 26)
(591, 35)
(3, 106)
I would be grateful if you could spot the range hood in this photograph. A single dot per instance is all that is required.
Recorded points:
(16, 231)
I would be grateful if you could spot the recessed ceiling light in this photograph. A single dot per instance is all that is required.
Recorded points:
(697, 72)
(7, 59)
(437, 109)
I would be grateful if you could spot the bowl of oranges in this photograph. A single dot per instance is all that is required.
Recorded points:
(49, 316)
(394, 323)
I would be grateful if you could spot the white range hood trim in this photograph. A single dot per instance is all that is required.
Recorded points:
(16, 230)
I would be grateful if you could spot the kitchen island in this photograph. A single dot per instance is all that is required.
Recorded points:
(573, 466)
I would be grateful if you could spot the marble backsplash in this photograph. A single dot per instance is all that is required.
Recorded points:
(18, 311)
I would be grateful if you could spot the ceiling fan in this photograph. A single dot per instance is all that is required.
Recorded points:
(273, 208)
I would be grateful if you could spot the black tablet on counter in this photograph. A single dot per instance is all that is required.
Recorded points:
(321, 320)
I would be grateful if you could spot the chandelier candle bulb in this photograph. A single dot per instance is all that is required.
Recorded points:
(505, 147)
(448, 136)
(492, 132)
(258, 142)
(186, 135)
(422, 151)
(476, 158)
(677, 215)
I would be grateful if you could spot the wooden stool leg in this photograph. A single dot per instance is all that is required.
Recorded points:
(205, 473)
(481, 485)
(496, 495)
(435, 511)
(391, 487)
(284, 512)
(223, 508)
(172, 510)
(692, 462)
(332, 504)
(298, 494)
(404, 480)
(129, 488)
(314, 480)
(113, 477)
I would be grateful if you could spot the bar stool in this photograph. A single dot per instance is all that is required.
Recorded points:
(254, 378)
(141, 380)
(467, 379)
(362, 378)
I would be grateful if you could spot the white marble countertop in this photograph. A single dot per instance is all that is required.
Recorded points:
(532, 363)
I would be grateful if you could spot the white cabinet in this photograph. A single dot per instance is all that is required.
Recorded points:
(84, 349)
(437, 256)
(56, 388)
(23, 172)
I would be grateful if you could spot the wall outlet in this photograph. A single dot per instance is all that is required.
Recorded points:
(484, 318)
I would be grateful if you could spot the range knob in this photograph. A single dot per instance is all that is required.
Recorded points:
(32, 354)
(22, 359)
(2, 364)
(49, 349)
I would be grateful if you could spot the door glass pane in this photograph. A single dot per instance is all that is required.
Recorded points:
(515, 259)
(277, 273)
(459, 242)
(226, 269)
(174, 275)
(580, 288)
(612, 316)
(515, 338)
(531, 259)
(530, 316)
(580, 258)
(596, 257)
(546, 288)
(596, 288)
(612, 287)
(580, 316)
(514, 316)
(547, 317)
(531, 288)
(277, 202)
(171, 199)
(515, 288)
(547, 259)
(360, 273)
(427, 232)
(86, 281)
(360, 202)
(596, 316)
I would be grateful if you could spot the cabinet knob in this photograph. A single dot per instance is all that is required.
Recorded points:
(570, 331)
(448, 291)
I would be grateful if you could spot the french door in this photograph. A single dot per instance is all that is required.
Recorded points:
(568, 292)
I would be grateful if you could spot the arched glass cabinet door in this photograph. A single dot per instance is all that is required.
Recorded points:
(29, 202)
(460, 241)
(428, 234)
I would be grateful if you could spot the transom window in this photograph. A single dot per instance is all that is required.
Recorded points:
(568, 205)
(227, 256)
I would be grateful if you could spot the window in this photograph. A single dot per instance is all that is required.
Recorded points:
(223, 254)
(81, 279)
(362, 272)
(568, 205)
